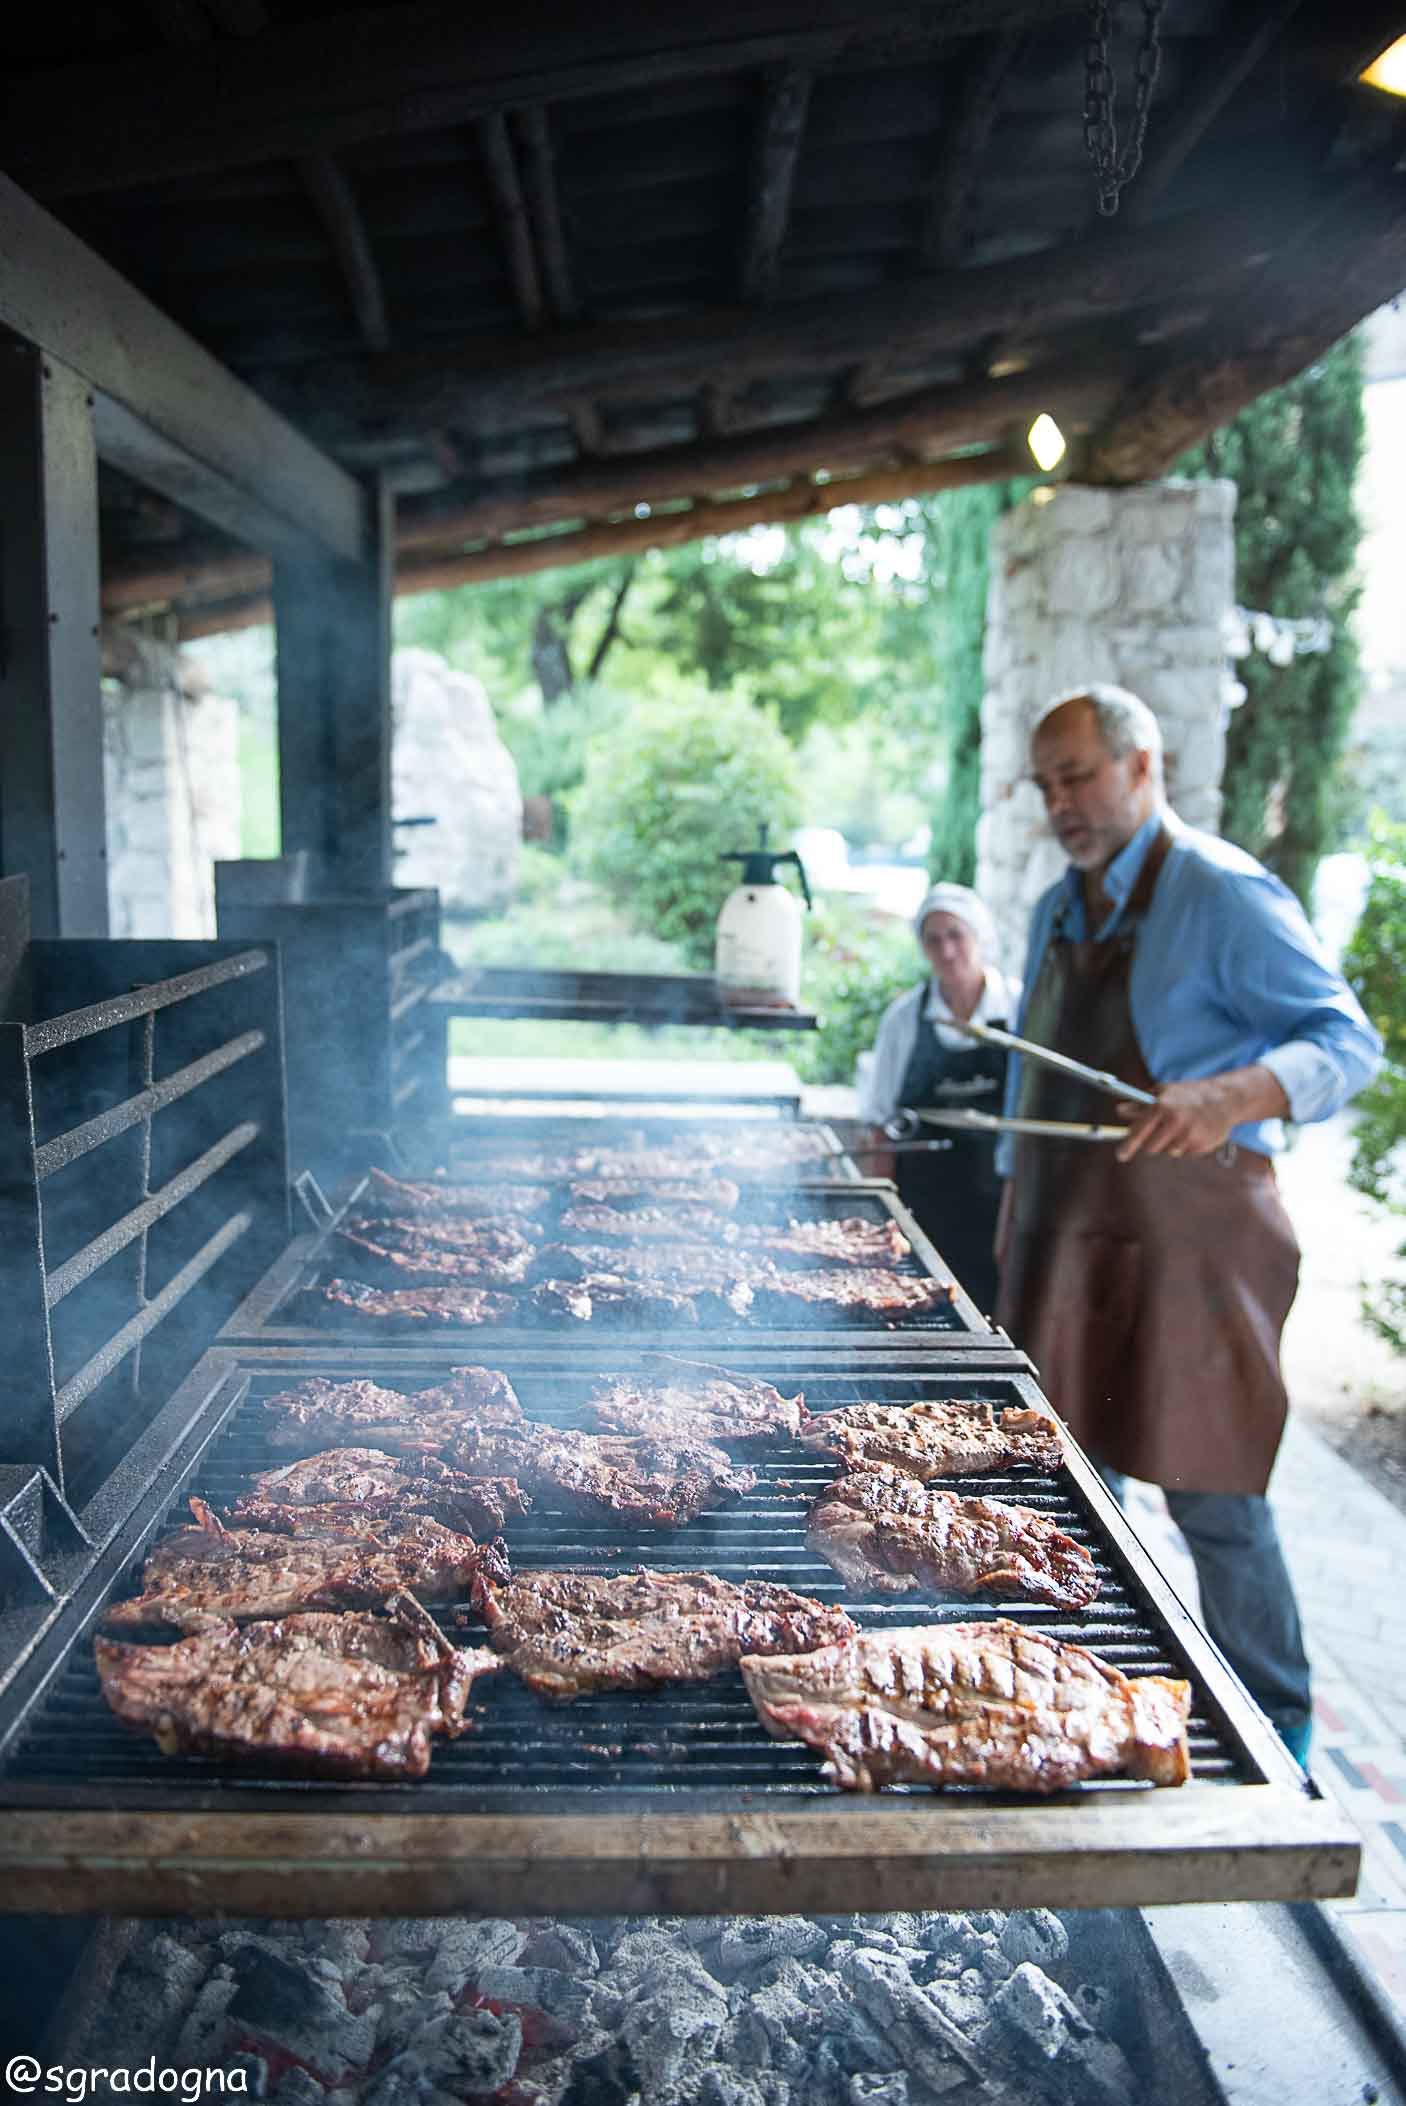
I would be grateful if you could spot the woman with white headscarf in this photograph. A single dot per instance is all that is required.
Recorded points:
(921, 1062)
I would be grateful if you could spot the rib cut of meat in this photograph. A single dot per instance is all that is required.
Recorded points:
(719, 1407)
(354, 1488)
(321, 1414)
(440, 1247)
(390, 1198)
(416, 1305)
(931, 1439)
(649, 1483)
(322, 1695)
(213, 1574)
(865, 1289)
(566, 1633)
(718, 1194)
(885, 1530)
(972, 1703)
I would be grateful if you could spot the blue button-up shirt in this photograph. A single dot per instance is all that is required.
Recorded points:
(1226, 972)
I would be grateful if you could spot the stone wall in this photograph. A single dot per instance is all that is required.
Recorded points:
(171, 776)
(450, 766)
(1132, 586)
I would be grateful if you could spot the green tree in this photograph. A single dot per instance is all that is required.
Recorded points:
(668, 793)
(1375, 964)
(1294, 456)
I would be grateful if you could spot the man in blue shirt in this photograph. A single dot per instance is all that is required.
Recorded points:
(1150, 1282)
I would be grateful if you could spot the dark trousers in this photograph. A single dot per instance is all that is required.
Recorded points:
(1247, 1597)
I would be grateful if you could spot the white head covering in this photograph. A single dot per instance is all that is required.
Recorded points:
(964, 903)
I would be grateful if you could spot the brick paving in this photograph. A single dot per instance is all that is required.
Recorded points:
(1346, 1548)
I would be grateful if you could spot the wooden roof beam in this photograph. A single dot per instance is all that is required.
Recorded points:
(510, 211)
(331, 193)
(776, 151)
(951, 189)
(1182, 128)
(539, 177)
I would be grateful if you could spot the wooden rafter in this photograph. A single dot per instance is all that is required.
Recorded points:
(775, 153)
(510, 212)
(1183, 127)
(539, 178)
(422, 67)
(951, 188)
(331, 193)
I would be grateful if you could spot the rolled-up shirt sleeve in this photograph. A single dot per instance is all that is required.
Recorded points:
(879, 1093)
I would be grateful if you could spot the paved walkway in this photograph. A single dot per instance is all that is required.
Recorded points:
(1346, 1547)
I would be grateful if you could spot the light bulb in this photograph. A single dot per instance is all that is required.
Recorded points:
(1388, 69)
(1046, 442)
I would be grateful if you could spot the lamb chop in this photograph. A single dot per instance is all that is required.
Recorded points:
(717, 1194)
(715, 1407)
(869, 1290)
(212, 1574)
(322, 1695)
(434, 1248)
(648, 1483)
(449, 1306)
(567, 1633)
(320, 1414)
(930, 1439)
(348, 1490)
(886, 1531)
(972, 1703)
(391, 1198)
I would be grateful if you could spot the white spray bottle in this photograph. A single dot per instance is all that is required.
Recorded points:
(758, 959)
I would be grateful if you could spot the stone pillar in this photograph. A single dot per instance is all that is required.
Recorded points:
(450, 767)
(171, 766)
(1132, 586)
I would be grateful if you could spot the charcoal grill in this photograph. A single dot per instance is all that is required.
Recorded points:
(673, 1801)
(279, 1311)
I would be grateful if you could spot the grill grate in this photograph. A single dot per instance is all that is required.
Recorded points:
(688, 1748)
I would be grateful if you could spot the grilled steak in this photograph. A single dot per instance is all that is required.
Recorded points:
(718, 1408)
(715, 1282)
(718, 1194)
(646, 1224)
(866, 1289)
(600, 1295)
(884, 1530)
(649, 1483)
(320, 1414)
(972, 1703)
(851, 1241)
(567, 1633)
(327, 1696)
(415, 1305)
(435, 1247)
(389, 1198)
(935, 1439)
(213, 1574)
(334, 1491)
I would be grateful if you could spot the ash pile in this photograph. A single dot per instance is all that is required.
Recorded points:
(896, 2010)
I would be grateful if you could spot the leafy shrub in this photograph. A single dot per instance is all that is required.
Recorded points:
(1375, 965)
(666, 793)
(551, 746)
(856, 961)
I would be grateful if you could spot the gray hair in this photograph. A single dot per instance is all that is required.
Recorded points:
(1125, 723)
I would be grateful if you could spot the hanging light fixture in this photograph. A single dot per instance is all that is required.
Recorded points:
(1388, 69)
(1046, 442)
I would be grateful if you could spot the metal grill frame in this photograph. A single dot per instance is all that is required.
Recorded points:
(258, 1319)
(1269, 1837)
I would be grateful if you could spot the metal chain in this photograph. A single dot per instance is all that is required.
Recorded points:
(1115, 170)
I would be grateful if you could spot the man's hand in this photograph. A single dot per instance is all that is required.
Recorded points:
(1195, 1118)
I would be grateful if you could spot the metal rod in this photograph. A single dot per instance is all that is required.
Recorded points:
(403, 1005)
(1096, 1078)
(84, 1263)
(142, 1001)
(968, 1121)
(66, 1148)
(115, 1351)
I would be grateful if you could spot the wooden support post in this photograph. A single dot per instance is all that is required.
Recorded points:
(334, 713)
(53, 823)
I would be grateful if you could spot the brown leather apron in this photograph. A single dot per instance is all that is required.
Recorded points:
(1151, 1295)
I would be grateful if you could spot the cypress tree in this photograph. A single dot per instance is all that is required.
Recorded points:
(1294, 455)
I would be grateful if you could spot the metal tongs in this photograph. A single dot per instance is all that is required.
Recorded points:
(905, 1124)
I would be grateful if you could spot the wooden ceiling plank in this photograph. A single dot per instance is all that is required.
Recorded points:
(775, 153)
(1186, 124)
(544, 206)
(182, 414)
(109, 124)
(332, 194)
(951, 191)
(510, 213)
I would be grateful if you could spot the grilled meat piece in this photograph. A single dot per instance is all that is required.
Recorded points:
(850, 1241)
(773, 1147)
(566, 1633)
(323, 1695)
(333, 1492)
(649, 1483)
(866, 1289)
(719, 1408)
(415, 1305)
(391, 1198)
(320, 1414)
(884, 1530)
(601, 1295)
(972, 1703)
(440, 1248)
(718, 1194)
(930, 1439)
(715, 1282)
(646, 1224)
(213, 1574)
